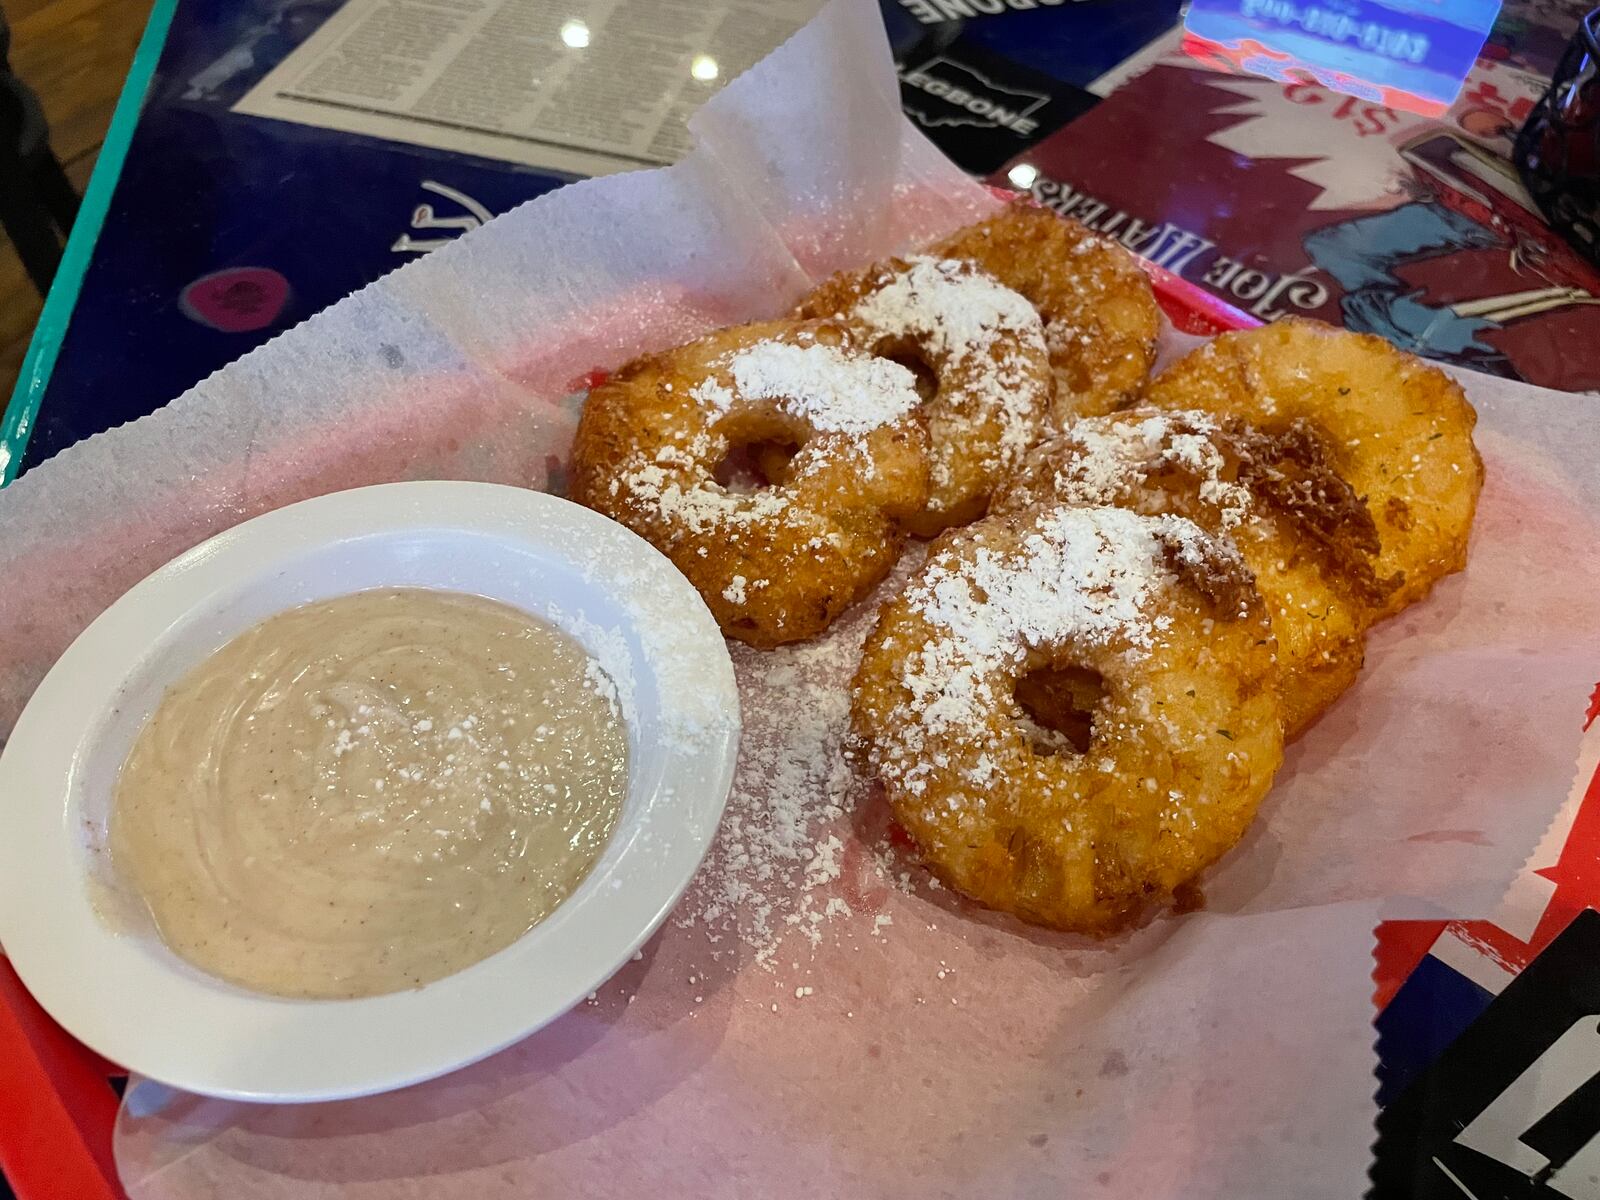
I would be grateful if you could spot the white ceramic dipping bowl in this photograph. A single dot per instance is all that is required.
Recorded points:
(122, 992)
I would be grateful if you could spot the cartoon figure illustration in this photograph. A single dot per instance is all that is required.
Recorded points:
(1467, 205)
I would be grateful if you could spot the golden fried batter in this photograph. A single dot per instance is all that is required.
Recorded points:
(982, 349)
(1099, 313)
(1304, 536)
(1400, 432)
(1152, 615)
(776, 564)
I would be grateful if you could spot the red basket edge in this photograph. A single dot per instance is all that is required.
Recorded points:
(1191, 308)
(57, 1110)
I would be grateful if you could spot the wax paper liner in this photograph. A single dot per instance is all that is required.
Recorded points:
(825, 1022)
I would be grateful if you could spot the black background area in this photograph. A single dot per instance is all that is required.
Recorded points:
(975, 149)
(1559, 988)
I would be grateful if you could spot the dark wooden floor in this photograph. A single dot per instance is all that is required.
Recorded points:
(74, 54)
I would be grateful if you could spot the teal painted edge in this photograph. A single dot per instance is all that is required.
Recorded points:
(17, 424)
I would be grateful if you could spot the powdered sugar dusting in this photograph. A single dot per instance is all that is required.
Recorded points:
(691, 500)
(782, 835)
(833, 390)
(670, 634)
(786, 835)
(1101, 460)
(1084, 574)
(957, 308)
(980, 328)
(611, 665)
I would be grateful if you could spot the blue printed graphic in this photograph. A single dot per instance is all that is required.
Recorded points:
(1378, 49)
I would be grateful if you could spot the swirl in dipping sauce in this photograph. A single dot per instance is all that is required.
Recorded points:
(369, 793)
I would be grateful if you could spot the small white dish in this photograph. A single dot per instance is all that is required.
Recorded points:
(123, 993)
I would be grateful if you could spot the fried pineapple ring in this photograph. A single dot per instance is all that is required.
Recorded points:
(1183, 743)
(1300, 529)
(779, 564)
(984, 347)
(1099, 313)
(1400, 432)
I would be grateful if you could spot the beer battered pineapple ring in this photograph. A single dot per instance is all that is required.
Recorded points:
(779, 564)
(984, 347)
(1183, 743)
(1300, 529)
(1400, 432)
(1100, 316)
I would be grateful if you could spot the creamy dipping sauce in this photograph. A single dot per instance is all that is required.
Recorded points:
(369, 793)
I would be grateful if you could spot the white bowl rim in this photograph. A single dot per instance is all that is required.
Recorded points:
(139, 1006)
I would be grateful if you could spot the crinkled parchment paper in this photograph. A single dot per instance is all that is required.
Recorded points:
(817, 1020)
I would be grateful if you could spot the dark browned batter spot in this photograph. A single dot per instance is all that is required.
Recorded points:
(1292, 467)
(1188, 897)
(1221, 578)
(1397, 513)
